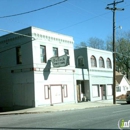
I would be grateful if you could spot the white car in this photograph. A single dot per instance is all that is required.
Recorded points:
(128, 96)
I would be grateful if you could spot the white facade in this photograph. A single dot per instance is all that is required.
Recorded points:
(98, 84)
(29, 79)
(60, 77)
(30, 82)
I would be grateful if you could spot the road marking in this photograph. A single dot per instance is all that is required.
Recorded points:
(121, 111)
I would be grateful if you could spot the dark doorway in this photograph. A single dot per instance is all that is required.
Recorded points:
(103, 92)
(82, 87)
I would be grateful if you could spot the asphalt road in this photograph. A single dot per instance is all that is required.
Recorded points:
(94, 118)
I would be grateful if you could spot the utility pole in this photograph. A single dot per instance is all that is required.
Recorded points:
(114, 9)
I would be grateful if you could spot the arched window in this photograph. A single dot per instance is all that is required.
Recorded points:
(109, 63)
(101, 62)
(93, 61)
(80, 61)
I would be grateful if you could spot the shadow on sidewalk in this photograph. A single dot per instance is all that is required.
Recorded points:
(13, 108)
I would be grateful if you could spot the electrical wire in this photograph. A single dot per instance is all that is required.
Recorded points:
(82, 21)
(72, 24)
(34, 10)
(19, 45)
(33, 39)
(80, 8)
(16, 33)
(83, 9)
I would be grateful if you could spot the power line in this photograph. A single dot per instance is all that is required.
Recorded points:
(16, 33)
(34, 10)
(82, 21)
(81, 8)
(84, 10)
(33, 39)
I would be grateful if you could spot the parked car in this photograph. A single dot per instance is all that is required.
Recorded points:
(128, 96)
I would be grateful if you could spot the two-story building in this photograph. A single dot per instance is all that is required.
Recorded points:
(40, 67)
(36, 68)
(94, 74)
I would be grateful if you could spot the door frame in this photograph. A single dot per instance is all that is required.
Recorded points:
(51, 85)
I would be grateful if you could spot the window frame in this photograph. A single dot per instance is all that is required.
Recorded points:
(93, 61)
(109, 65)
(18, 55)
(55, 48)
(67, 51)
(78, 61)
(101, 62)
(118, 89)
(43, 56)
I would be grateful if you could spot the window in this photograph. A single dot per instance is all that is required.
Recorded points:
(96, 91)
(108, 63)
(80, 61)
(93, 61)
(101, 62)
(55, 51)
(109, 90)
(66, 51)
(18, 55)
(118, 89)
(43, 54)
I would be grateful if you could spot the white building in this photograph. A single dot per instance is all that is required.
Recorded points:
(94, 74)
(37, 67)
(28, 78)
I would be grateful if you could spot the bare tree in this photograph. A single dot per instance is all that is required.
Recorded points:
(82, 44)
(122, 51)
(96, 43)
(109, 44)
(92, 42)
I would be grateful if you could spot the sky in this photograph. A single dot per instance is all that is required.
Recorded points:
(81, 19)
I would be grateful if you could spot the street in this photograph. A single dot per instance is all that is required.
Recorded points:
(91, 118)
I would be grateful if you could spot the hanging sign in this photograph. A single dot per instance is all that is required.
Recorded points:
(60, 61)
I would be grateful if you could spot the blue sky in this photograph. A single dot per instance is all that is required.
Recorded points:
(81, 19)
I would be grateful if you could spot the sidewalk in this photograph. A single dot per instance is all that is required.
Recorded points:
(62, 107)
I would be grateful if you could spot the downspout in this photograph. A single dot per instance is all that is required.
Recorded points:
(89, 78)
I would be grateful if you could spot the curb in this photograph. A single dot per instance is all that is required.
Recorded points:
(51, 111)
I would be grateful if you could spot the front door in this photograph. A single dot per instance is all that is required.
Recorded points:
(56, 95)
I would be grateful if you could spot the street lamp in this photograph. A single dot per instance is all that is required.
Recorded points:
(120, 27)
